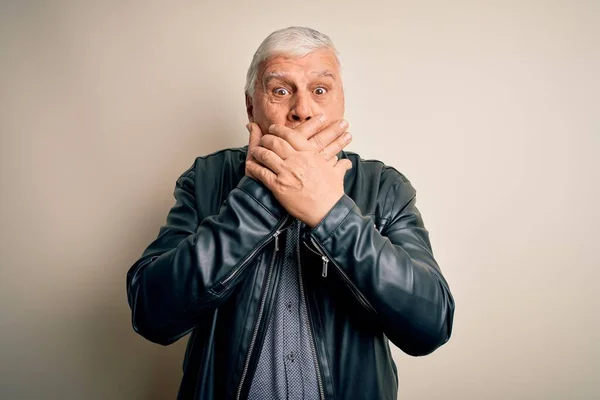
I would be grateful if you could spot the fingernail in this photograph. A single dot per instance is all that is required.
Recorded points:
(248, 127)
(343, 124)
(321, 118)
(272, 128)
(347, 136)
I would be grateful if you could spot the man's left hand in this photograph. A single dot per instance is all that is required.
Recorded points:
(301, 178)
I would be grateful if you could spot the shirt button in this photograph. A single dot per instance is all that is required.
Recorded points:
(291, 356)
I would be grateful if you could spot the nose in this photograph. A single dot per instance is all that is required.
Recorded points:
(302, 108)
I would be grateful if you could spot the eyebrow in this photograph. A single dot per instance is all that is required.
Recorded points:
(273, 75)
(323, 74)
(280, 74)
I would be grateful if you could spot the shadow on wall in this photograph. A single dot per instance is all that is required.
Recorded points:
(119, 363)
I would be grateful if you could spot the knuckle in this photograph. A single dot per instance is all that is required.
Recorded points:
(318, 141)
(265, 155)
(289, 136)
(264, 175)
(280, 131)
(269, 141)
(277, 143)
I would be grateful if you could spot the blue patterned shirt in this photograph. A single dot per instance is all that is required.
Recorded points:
(286, 366)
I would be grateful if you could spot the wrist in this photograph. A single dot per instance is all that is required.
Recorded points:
(315, 219)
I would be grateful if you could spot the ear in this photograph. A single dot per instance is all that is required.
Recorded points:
(249, 108)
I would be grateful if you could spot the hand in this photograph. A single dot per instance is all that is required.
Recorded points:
(254, 141)
(303, 173)
(329, 140)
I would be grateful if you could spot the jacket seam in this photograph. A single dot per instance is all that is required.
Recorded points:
(218, 152)
(395, 187)
(387, 194)
(321, 222)
(385, 167)
(340, 224)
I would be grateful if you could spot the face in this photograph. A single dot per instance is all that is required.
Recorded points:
(289, 91)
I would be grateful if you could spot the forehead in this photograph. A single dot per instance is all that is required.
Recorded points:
(314, 63)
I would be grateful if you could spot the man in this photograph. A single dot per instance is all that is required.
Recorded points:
(290, 261)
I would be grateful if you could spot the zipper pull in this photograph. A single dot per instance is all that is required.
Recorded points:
(276, 236)
(325, 262)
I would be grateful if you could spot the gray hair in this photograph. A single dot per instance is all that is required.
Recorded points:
(293, 41)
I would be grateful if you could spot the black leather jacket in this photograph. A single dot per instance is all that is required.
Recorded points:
(368, 275)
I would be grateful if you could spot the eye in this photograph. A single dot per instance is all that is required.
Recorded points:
(320, 91)
(281, 91)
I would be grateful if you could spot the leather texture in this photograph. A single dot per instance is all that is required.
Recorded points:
(211, 271)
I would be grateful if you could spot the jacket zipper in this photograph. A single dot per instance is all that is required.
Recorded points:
(320, 254)
(275, 236)
(347, 280)
(261, 309)
(307, 320)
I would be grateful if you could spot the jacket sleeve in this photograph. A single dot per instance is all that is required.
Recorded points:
(192, 265)
(392, 274)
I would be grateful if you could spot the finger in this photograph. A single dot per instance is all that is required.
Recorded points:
(332, 132)
(277, 145)
(310, 127)
(255, 135)
(342, 166)
(332, 161)
(268, 159)
(337, 145)
(294, 138)
(260, 173)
